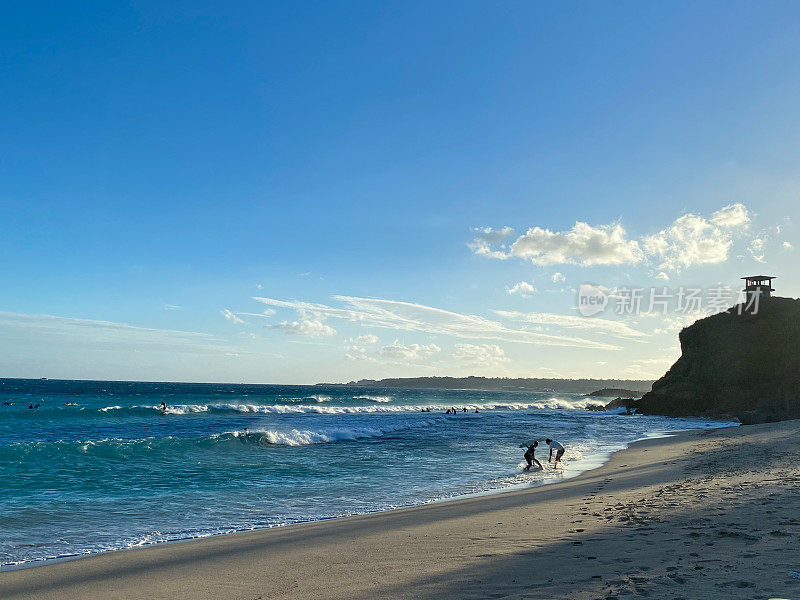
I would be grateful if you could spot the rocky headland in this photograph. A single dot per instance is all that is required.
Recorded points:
(735, 364)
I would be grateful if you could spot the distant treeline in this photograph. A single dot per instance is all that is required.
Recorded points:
(572, 386)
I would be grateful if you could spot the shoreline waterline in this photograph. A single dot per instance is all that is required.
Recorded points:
(548, 541)
(593, 461)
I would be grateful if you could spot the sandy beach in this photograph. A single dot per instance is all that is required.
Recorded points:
(703, 514)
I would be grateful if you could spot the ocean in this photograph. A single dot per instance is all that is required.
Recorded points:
(98, 466)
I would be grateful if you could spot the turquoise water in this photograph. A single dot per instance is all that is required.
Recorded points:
(113, 472)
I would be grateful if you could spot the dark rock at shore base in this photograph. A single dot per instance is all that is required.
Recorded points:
(622, 403)
(735, 365)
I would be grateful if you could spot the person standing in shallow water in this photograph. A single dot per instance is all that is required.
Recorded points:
(529, 455)
(558, 448)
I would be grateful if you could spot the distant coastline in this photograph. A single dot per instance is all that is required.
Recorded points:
(505, 384)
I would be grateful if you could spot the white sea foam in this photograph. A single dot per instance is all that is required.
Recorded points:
(304, 437)
(378, 406)
(374, 398)
(320, 398)
(563, 404)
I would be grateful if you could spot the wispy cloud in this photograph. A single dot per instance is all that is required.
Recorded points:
(408, 316)
(231, 316)
(367, 338)
(105, 333)
(756, 247)
(606, 326)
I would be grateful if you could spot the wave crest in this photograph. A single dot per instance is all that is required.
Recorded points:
(379, 404)
(373, 398)
(305, 437)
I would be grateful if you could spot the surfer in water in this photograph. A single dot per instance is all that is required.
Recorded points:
(529, 456)
(163, 407)
(558, 448)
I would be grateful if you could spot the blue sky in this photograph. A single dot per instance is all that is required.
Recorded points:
(165, 163)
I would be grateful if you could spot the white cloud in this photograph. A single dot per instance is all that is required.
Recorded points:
(787, 246)
(172, 307)
(481, 355)
(756, 247)
(230, 316)
(407, 316)
(358, 347)
(690, 240)
(583, 245)
(493, 236)
(408, 353)
(558, 278)
(733, 215)
(264, 314)
(356, 352)
(522, 288)
(486, 237)
(307, 325)
(662, 276)
(573, 322)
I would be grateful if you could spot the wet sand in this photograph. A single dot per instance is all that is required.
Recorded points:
(709, 514)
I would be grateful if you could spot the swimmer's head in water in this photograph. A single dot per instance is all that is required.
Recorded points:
(547, 441)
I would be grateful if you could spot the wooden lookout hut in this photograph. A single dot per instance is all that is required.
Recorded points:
(758, 284)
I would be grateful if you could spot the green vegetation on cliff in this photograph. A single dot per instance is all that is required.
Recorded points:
(744, 365)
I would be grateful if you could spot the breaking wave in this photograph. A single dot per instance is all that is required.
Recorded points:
(305, 437)
(374, 398)
(562, 404)
(112, 447)
(379, 404)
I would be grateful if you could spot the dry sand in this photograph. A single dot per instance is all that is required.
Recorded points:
(711, 514)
